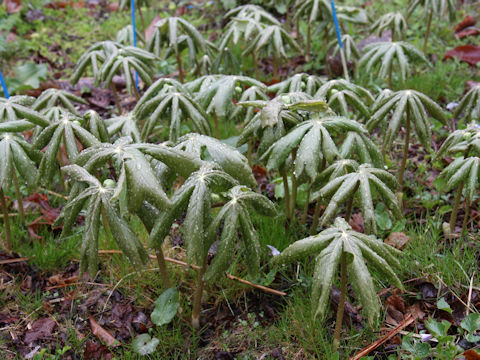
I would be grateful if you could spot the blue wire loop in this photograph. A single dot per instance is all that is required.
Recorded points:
(134, 26)
(4, 86)
(335, 21)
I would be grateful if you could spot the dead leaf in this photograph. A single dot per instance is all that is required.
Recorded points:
(469, 20)
(102, 334)
(151, 28)
(397, 239)
(471, 355)
(95, 351)
(13, 6)
(41, 329)
(466, 53)
(357, 223)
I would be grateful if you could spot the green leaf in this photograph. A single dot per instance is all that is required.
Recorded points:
(166, 307)
(143, 344)
(29, 75)
(437, 328)
(382, 217)
(443, 305)
(471, 324)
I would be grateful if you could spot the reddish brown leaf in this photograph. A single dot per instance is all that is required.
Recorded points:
(466, 53)
(469, 20)
(471, 31)
(398, 240)
(13, 6)
(41, 329)
(471, 355)
(151, 28)
(95, 351)
(357, 223)
(102, 334)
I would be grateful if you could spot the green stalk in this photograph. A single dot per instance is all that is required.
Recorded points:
(427, 33)
(467, 215)
(308, 45)
(348, 213)
(117, 100)
(217, 126)
(162, 266)
(456, 203)
(255, 66)
(293, 198)
(341, 302)
(405, 153)
(275, 67)
(307, 206)
(21, 212)
(6, 221)
(316, 216)
(179, 66)
(142, 20)
(197, 296)
(390, 78)
(286, 190)
(249, 152)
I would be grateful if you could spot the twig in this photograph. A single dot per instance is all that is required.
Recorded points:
(470, 288)
(54, 193)
(12, 261)
(75, 284)
(196, 267)
(407, 321)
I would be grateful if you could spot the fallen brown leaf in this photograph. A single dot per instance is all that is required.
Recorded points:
(471, 355)
(466, 53)
(397, 239)
(102, 334)
(40, 329)
(13, 6)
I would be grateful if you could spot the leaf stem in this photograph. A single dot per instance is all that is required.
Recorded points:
(21, 211)
(179, 65)
(467, 215)
(162, 266)
(316, 216)
(309, 40)
(427, 33)
(6, 221)
(117, 100)
(405, 153)
(293, 198)
(217, 126)
(307, 206)
(456, 204)
(341, 302)
(286, 190)
(197, 296)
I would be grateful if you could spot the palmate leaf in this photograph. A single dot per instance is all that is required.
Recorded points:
(330, 244)
(253, 12)
(235, 216)
(69, 131)
(463, 141)
(124, 36)
(359, 146)
(437, 7)
(298, 83)
(177, 107)
(226, 62)
(361, 182)
(469, 105)
(137, 177)
(342, 95)
(194, 197)
(253, 93)
(417, 105)
(274, 41)
(272, 121)
(463, 171)
(18, 108)
(94, 57)
(126, 61)
(240, 29)
(391, 21)
(226, 157)
(168, 33)
(314, 9)
(126, 125)
(56, 113)
(57, 97)
(352, 53)
(218, 96)
(313, 141)
(386, 54)
(98, 200)
(17, 155)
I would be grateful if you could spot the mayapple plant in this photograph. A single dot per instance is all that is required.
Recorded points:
(273, 41)
(469, 105)
(126, 125)
(340, 246)
(168, 33)
(57, 97)
(124, 36)
(361, 182)
(431, 8)
(386, 54)
(16, 155)
(391, 21)
(408, 107)
(298, 83)
(18, 108)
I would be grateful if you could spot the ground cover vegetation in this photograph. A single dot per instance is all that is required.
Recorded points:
(230, 189)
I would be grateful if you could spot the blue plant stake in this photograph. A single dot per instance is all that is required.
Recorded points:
(4, 86)
(134, 26)
(339, 38)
